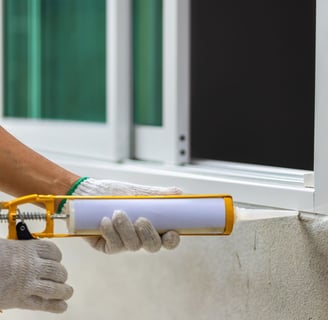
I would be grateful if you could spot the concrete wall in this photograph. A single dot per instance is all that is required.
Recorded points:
(269, 269)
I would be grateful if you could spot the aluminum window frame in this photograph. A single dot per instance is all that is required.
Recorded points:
(260, 185)
(256, 184)
(174, 132)
(252, 184)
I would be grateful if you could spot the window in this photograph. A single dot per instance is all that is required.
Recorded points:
(56, 53)
(196, 71)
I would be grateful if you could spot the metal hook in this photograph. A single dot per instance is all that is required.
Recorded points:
(20, 215)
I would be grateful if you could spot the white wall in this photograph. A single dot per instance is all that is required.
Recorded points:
(265, 270)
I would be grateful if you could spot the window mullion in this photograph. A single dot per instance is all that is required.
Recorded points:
(118, 73)
(176, 52)
(169, 143)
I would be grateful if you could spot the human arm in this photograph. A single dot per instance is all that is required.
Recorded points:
(26, 172)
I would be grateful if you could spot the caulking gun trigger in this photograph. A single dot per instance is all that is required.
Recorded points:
(22, 231)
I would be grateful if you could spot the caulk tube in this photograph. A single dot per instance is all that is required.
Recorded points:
(187, 214)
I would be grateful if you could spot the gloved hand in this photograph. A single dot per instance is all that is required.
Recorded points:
(31, 276)
(119, 233)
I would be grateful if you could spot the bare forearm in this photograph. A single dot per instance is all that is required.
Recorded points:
(24, 171)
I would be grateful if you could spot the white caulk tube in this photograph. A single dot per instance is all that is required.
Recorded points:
(187, 214)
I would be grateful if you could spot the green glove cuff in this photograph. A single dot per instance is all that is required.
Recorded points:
(70, 192)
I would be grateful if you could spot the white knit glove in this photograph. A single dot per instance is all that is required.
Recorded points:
(31, 276)
(119, 233)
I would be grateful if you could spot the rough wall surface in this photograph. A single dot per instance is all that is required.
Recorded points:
(266, 270)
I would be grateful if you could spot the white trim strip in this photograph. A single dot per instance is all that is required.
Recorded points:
(118, 70)
(321, 109)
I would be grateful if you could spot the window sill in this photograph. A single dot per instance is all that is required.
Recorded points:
(248, 184)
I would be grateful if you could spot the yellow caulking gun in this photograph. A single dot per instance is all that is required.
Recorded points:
(207, 214)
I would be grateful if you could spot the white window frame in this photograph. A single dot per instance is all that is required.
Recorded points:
(260, 185)
(321, 110)
(252, 184)
(95, 140)
(174, 133)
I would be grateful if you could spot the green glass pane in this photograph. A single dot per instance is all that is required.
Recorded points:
(147, 61)
(15, 58)
(55, 59)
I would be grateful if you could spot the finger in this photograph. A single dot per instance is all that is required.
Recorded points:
(47, 250)
(96, 242)
(170, 240)
(126, 231)
(52, 290)
(113, 242)
(38, 303)
(53, 271)
(150, 239)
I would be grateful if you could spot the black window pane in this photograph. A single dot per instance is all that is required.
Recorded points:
(252, 86)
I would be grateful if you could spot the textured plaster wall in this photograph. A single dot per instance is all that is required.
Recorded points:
(269, 269)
